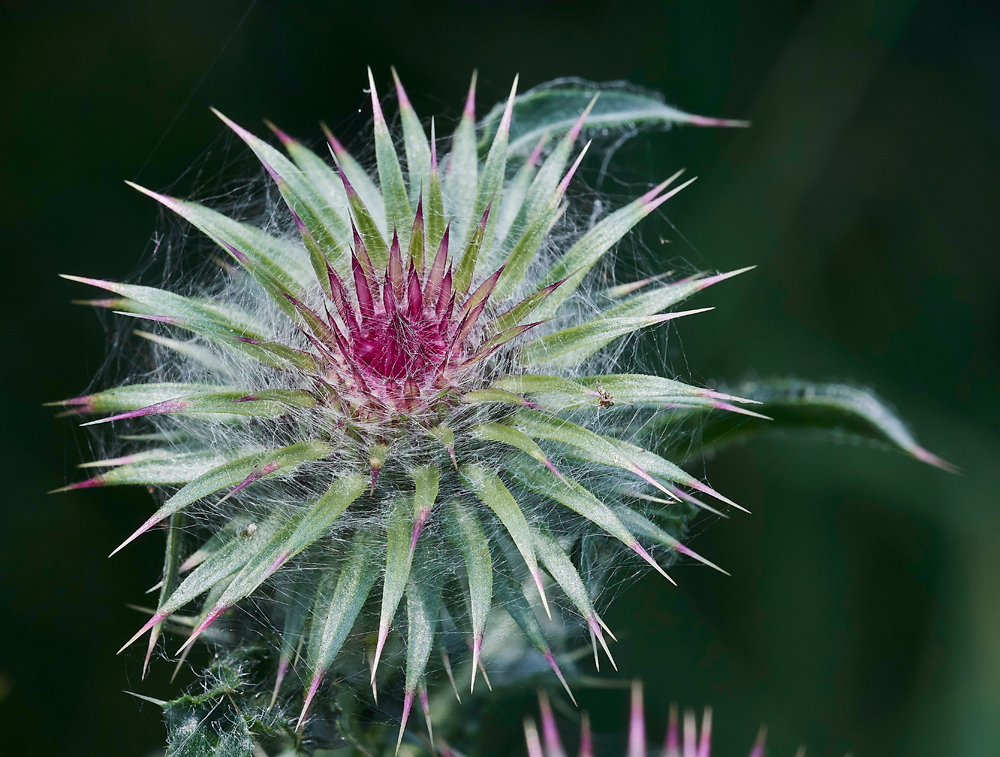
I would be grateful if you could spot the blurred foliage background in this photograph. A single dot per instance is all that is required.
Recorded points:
(863, 612)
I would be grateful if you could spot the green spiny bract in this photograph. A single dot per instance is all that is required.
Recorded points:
(405, 395)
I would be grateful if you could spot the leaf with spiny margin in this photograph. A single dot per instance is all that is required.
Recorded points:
(398, 560)
(423, 603)
(337, 606)
(513, 196)
(378, 251)
(467, 265)
(661, 298)
(794, 403)
(555, 106)
(294, 536)
(586, 251)
(434, 216)
(494, 171)
(503, 434)
(574, 496)
(461, 177)
(603, 449)
(488, 487)
(568, 347)
(548, 175)
(223, 563)
(134, 396)
(390, 176)
(302, 197)
(418, 151)
(190, 349)
(561, 568)
(171, 571)
(261, 253)
(266, 403)
(644, 526)
(321, 175)
(276, 462)
(506, 322)
(299, 598)
(172, 469)
(465, 531)
(512, 599)
(358, 177)
(203, 318)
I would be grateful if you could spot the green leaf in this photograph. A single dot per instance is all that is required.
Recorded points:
(262, 254)
(549, 174)
(793, 403)
(423, 602)
(241, 471)
(488, 487)
(294, 536)
(308, 205)
(162, 470)
(658, 300)
(229, 558)
(561, 568)
(191, 350)
(171, 570)
(418, 151)
(266, 403)
(367, 192)
(434, 218)
(554, 107)
(222, 327)
(582, 256)
(465, 531)
(494, 170)
(390, 175)
(398, 560)
(133, 396)
(460, 181)
(514, 195)
(574, 496)
(645, 527)
(498, 432)
(338, 606)
(320, 174)
(568, 347)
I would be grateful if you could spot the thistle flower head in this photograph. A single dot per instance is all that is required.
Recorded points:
(404, 386)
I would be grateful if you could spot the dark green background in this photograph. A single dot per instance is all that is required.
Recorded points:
(864, 608)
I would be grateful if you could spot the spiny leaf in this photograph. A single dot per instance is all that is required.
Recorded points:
(435, 222)
(503, 434)
(171, 571)
(308, 205)
(398, 560)
(494, 169)
(133, 396)
(368, 193)
(488, 487)
(266, 403)
(515, 192)
(464, 530)
(586, 251)
(201, 318)
(793, 403)
(566, 348)
(237, 472)
(191, 350)
(423, 601)
(175, 468)
(561, 568)
(390, 175)
(461, 177)
(336, 610)
(512, 599)
(554, 106)
(548, 175)
(251, 246)
(642, 525)
(418, 151)
(294, 536)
